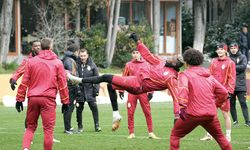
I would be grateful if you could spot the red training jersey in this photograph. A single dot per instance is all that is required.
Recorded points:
(223, 70)
(199, 92)
(157, 76)
(44, 75)
(20, 70)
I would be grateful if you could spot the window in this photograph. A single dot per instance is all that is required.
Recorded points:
(168, 28)
(138, 12)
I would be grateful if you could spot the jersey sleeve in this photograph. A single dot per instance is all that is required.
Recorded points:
(231, 77)
(22, 89)
(147, 55)
(183, 91)
(20, 70)
(62, 84)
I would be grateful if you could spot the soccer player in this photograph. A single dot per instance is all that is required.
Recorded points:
(36, 47)
(223, 70)
(44, 75)
(241, 85)
(159, 75)
(198, 93)
(131, 69)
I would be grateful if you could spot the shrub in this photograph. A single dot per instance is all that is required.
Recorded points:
(8, 67)
(217, 33)
(124, 46)
(94, 41)
(242, 12)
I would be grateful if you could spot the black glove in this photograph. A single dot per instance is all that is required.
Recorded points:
(65, 107)
(78, 93)
(182, 114)
(121, 95)
(13, 84)
(175, 119)
(96, 91)
(150, 96)
(134, 37)
(229, 96)
(19, 106)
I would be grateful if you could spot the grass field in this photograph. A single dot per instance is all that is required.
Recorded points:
(12, 128)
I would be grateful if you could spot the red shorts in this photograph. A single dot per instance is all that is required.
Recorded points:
(225, 106)
(131, 84)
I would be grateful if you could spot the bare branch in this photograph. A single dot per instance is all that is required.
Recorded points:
(50, 24)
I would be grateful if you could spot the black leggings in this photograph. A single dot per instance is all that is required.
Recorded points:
(241, 95)
(113, 97)
(105, 78)
(98, 79)
(93, 107)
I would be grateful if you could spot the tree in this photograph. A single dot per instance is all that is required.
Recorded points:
(5, 29)
(200, 19)
(156, 25)
(112, 30)
(51, 24)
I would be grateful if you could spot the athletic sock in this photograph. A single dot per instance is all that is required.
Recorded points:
(209, 134)
(228, 133)
(116, 113)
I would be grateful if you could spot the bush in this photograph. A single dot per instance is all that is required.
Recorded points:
(124, 46)
(8, 67)
(94, 41)
(217, 33)
(242, 12)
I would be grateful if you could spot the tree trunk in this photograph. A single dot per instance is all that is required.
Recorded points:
(226, 15)
(110, 25)
(78, 19)
(5, 29)
(215, 11)
(156, 24)
(200, 19)
(114, 33)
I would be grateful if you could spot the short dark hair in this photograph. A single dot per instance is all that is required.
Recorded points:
(234, 44)
(46, 43)
(83, 50)
(72, 48)
(193, 57)
(174, 62)
(32, 42)
(244, 25)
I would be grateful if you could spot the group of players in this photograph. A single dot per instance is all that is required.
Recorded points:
(196, 92)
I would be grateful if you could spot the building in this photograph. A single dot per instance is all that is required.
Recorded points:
(131, 11)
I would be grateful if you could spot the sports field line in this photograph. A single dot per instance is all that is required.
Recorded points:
(121, 136)
(125, 136)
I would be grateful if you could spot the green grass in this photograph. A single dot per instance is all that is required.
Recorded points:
(8, 68)
(111, 70)
(12, 129)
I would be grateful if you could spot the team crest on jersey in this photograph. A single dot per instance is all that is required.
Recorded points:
(165, 73)
(88, 68)
(223, 66)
